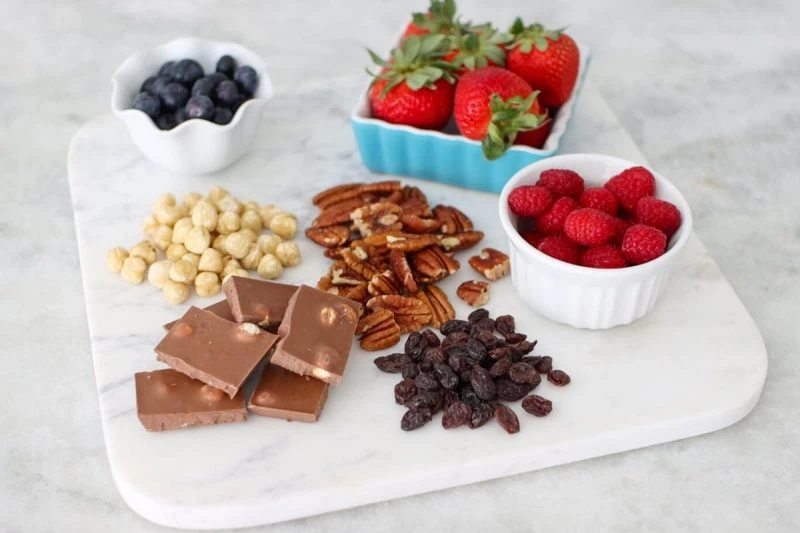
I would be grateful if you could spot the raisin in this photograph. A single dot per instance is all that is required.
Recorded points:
(477, 315)
(458, 362)
(415, 419)
(410, 371)
(485, 324)
(501, 352)
(451, 326)
(500, 367)
(476, 350)
(504, 325)
(431, 336)
(435, 355)
(481, 413)
(447, 378)
(469, 397)
(526, 347)
(404, 391)
(459, 338)
(425, 365)
(507, 418)
(511, 391)
(482, 383)
(516, 355)
(488, 339)
(449, 397)
(426, 381)
(532, 360)
(545, 365)
(392, 363)
(515, 338)
(536, 405)
(559, 378)
(426, 399)
(414, 344)
(523, 373)
(456, 414)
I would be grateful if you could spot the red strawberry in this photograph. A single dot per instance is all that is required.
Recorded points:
(599, 198)
(589, 227)
(659, 214)
(414, 88)
(561, 248)
(631, 185)
(440, 18)
(493, 105)
(547, 60)
(532, 238)
(529, 200)
(535, 138)
(552, 221)
(603, 256)
(642, 244)
(562, 182)
(477, 47)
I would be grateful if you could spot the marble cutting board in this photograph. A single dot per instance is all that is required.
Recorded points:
(696, 364)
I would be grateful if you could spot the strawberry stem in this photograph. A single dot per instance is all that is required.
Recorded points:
(417, 62)
(535, 35)
(509, 117)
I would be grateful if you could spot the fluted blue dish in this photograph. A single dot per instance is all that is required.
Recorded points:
(447, 157)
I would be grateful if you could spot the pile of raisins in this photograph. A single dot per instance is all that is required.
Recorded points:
(479, 363)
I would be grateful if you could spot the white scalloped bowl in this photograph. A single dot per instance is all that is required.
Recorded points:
(195, 146)
(590, 298)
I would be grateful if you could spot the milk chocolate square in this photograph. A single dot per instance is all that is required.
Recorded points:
(283, 394)
(316, 334)
(166, 399)
(257, 301)
(214, 350)
(221, 309)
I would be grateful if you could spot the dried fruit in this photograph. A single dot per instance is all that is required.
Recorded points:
(392, 363)
(440, 307)
(481, 413)
(415, 419)
(524, 373)
(474, 293)
(435, 355)
(410, 314)
(545, 364)
(505, 325)
(510, 391)
(559, 378)
(426, 382)
(515, 338)
(486, 324)
(456, 414)
(430, 337)
(477, 315)
(432, 400)
(452, 326)
(500, 367)
(404, 391)
(537, 405)
(446, 376)
(378, 330)
(410, 371)
(415, 344)
(525, 347)
(329, 237)
(482, 383)
(507, 418)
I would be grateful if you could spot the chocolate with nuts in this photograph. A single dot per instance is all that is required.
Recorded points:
(260, 302)
(282, 394)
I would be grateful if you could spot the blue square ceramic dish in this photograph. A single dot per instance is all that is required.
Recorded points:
(446, 156)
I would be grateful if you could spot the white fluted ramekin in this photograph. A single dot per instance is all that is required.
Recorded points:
(195, 146)
(582, 297)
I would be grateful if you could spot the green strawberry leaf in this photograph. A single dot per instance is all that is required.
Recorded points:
(378, 60)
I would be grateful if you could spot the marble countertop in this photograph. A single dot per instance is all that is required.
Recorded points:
(708, 90)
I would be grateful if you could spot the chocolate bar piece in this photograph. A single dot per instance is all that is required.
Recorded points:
(260, 302)
(166, 399)
(317, 334)
(221, 309)
(214, 350)
(282, 394)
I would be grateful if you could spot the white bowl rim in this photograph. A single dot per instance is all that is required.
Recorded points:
(562, 161)
(568, 109)
(260, 66)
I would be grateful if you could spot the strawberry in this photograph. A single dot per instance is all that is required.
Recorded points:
(535, 138)
(475, 47)
(642, 244)
(415, 87)
(589, 227)
(548, 60)
(493, 105)
(630, 186)
(659, 214)
(440, 18)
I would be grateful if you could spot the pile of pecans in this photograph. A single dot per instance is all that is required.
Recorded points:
(389, 249)
(469, 372)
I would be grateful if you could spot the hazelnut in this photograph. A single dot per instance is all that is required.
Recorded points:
(133, 269)
(250, 261)
(268, 243)
(210, 261)
(181, 229)
(146, 250)
(217, 193)
(167, 214)
(167, 199)
(250, 205)
(115, 257)
(237, 244)
(250, 220)
(230, 266)
(163, 237)
(192, 258)
(207, 284)
(250, 329)
(159, 273)
(227, 222)
(229, 204)
(175, 292)
(149, 225)
(204, 215)
(238, 273)
(283, 225)
(183, 271)
(219, 243)
(250, 234)
(267, 212)
(175, 252)
(288, 253)
(197, 240)
(269, 267)
(190, 199)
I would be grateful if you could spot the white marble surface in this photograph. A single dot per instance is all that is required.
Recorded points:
(708, 103)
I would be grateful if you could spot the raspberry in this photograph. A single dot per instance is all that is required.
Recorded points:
(629, 186)
(561, 248)
(621, 225)
(604, 256)
(589, 227)
(643, 243)
(552, 220)
(529, 200)
(601, 199)
(532, 238)
(659, 214)
(562, 182)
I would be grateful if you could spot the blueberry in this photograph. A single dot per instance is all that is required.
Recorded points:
(180, 116)
(187, 71)
(167, 69)
(205, 86)
(147, 103)
(247, 79)
(166, 121)
(227, 94)
(173, 96)
(222, 115)
(200, 107)
(226, 65)
(147, 86)
(219, 76)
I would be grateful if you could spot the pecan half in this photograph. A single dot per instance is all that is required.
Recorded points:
(337, 214)
(453, 220)
(381, 187)
(417, 224)
(474, 293)
(356, 293)
(384, 283)
(376, 217)
(344, 276)
(402, 270)
(460, 241)
(325, 283)
(336, 194)
(416, 206)
(491, 264)
(409, 313)
(333, 253)
(357, 265)
(432, 264)
(409, 242)
(436, 300)
(410, 192)
(378, 330)
(329, 237)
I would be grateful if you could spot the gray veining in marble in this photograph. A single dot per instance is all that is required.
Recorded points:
(707, 89)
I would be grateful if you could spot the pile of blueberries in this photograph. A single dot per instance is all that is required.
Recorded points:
(181, 91)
